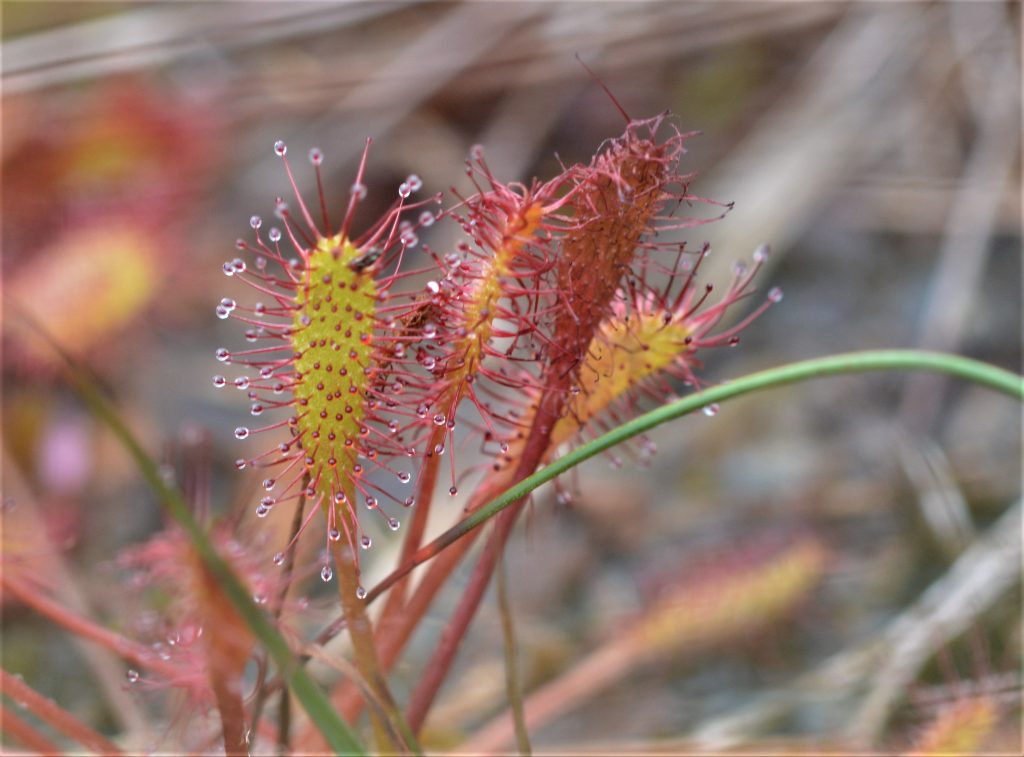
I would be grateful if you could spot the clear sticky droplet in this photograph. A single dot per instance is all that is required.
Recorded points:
(219, 381)
(280, 148)
(358, 190)
(775, 294)
(132, 675)
(360, 592)
(279, 558)
(404, 476)
(334, 534)
(223, 355)
(255, 221)
(366, 542)
(316, 156)
(394, 524)
(453, 490)
(241, 432)
(274, 234)
(326, 573)
(710, 410)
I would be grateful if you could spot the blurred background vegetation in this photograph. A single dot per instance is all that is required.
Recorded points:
(874, 146)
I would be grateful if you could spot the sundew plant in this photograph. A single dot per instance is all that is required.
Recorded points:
(425, 374)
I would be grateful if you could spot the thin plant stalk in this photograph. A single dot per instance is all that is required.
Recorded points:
(361, 631)
(444, 655)
(512, 684)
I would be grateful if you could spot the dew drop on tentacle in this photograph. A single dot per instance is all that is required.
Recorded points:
(241, 432)
(394, 524)
(404, 476)
(453, 490)
(366, 542)
(334, 534)
(775, 294)
(279, 559)
(132, 676)
(326, 573)
(219, 381)
(316, 156)
(360, 592)
(280, 148)
(255, 222)
(223, 355)
(274, 234)
(409, 501)
(711, 410)
(358, 190)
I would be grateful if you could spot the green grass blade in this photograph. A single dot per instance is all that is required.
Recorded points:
(957, 366)
(337, 733)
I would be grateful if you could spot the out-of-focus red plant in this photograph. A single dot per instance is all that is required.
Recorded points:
(95, 197)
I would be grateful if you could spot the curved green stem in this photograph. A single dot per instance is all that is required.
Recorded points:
(852, 362)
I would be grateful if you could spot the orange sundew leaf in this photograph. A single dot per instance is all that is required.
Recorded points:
(717, 605)
(961, 728)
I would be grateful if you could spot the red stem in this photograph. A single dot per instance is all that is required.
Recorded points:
(52, 713)
(26, 733)
(536, 445)
(130, 650)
